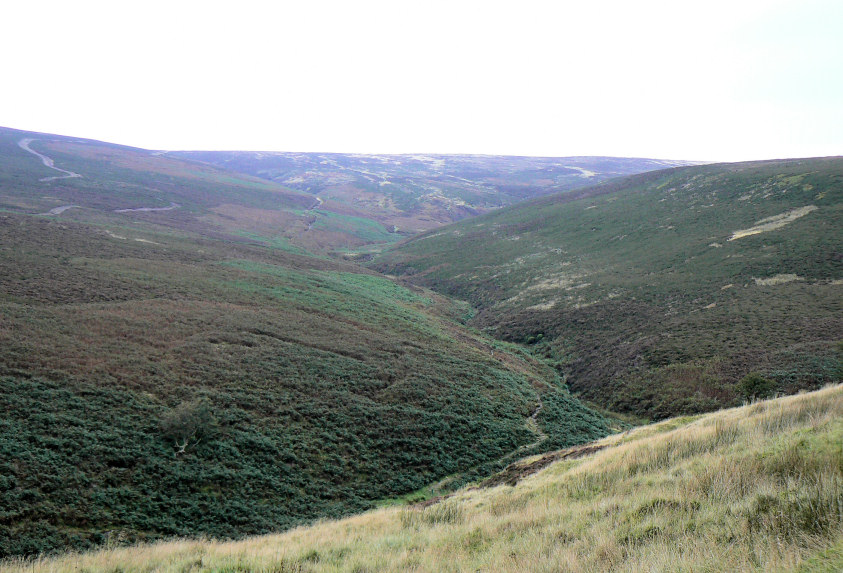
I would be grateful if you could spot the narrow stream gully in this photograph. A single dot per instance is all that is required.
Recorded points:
(440, 487)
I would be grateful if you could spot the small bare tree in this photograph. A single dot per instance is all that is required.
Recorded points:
(188, 424)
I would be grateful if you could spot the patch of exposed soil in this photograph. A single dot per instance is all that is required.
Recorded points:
(514, 473)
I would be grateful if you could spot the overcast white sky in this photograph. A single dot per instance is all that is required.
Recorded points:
(707, 80)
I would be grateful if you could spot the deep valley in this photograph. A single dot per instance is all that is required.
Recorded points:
(219, 345)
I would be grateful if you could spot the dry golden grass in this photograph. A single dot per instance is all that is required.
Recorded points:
(757, 488)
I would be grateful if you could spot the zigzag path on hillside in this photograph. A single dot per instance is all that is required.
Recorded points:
(48, 162)
(24, 144)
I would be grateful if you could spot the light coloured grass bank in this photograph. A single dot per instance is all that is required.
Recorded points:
(758, 488)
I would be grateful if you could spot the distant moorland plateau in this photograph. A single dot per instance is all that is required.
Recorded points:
(412, 193)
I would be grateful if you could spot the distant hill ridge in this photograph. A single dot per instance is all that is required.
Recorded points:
(417, 192)
(342, 204)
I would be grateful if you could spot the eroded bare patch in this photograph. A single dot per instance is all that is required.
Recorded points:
(543, 305)
(777, 279)
(774, 222)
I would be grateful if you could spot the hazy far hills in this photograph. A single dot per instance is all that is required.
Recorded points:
(656, 293)
(329, 203)
(414, 193)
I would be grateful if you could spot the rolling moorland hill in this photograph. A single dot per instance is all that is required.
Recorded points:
(163, 372)
(414, 193)
(92, 181)
(655, 294)
(756, 488)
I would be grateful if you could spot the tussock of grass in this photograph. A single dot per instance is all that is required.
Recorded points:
(752, 488)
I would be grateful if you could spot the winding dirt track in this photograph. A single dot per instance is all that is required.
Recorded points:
(24, 144)
(60, 210)
(173, 205)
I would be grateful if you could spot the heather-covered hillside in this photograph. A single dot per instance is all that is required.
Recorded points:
(658, 293)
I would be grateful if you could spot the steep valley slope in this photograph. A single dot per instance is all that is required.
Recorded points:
(169, 369)
(657, 293)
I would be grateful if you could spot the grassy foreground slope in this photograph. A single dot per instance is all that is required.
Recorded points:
(161, 377)
(656, 293)
(756, 488)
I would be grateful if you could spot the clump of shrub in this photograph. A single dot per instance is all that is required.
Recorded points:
(534, 338)
(753, 386)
